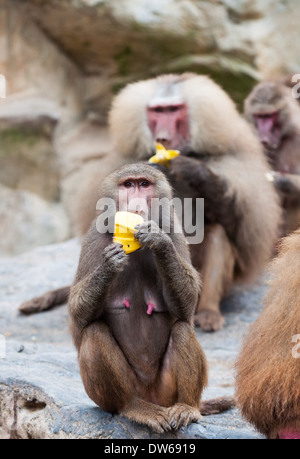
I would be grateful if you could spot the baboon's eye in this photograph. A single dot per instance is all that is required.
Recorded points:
(128, 184)
(145, 183)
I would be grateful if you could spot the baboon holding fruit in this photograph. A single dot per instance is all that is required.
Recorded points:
(131, 314)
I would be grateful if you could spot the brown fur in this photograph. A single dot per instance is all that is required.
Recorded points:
(276, 97)
(150, 369)
(267, 381)
(46, 301)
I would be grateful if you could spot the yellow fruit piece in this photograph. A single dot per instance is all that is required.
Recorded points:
(163, 156)
(124, 230)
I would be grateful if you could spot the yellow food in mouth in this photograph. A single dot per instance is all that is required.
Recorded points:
(125, 223)
(163, 156)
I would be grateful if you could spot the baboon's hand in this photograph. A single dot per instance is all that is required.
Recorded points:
(183, 168)
(151, 236)
(114, 258)
(284, 184)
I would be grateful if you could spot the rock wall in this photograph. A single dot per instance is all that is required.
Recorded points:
(63, 61)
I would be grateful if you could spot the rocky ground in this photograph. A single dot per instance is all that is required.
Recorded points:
(41, 393)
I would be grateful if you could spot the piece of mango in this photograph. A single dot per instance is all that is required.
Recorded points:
(163, 156)
(125, 223)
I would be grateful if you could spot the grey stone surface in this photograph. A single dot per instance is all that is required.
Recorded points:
(28, 221)
(41, 393)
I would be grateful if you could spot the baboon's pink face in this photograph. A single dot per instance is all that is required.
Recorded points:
(135, 194)
(169, 124)
(268, 128)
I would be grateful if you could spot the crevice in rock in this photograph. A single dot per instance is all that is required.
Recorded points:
(20, 412)
(32, 405)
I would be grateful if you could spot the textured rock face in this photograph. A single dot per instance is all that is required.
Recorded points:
(26, 218)
(63, 61)
(41, 393)
(127, 37)
(38, 99)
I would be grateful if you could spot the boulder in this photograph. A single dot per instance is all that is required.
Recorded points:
(124, 40)
(28, 221)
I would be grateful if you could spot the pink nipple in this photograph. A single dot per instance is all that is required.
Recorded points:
(126, 303)
(150, 309)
